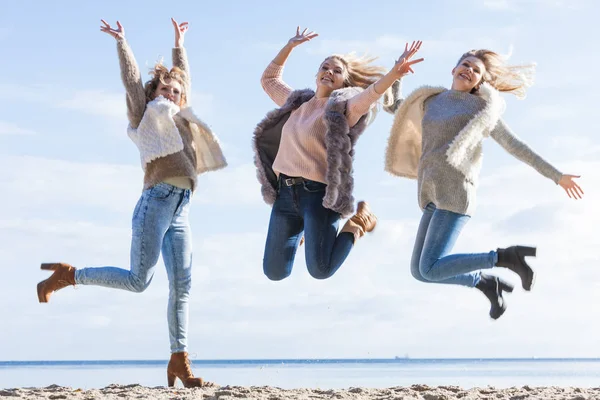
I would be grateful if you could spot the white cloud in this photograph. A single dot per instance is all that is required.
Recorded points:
(97, 102)
(7, 128)
(234, 185)
(90, 101)
(576, 145)
(47, 184)
(553, 112)
(452, 43)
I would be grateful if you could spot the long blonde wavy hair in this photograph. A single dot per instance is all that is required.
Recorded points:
(499, 74)
(359, 73)
(162, 74)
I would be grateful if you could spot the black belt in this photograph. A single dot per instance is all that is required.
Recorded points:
(291, 181)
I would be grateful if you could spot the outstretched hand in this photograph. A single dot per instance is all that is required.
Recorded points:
(568, 183)
(403, 66)
(116, 33)
(180, 30)
(301, 37)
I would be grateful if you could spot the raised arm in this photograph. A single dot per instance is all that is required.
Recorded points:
(272, 79)
(180, 59)
(130, 75)
(521, 151)
(360, 104)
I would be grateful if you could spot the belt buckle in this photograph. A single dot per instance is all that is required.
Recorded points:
(289, 181)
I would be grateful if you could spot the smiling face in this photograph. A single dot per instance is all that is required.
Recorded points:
(468, 74)
(331, 75)
(170, 90)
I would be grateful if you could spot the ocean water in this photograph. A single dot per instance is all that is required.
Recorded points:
(325, 374)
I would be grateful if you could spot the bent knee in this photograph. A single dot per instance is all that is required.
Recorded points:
(318, 273)
(276, 274)
(428, 273)
(139, 287)
(138, 284)
(318, 269)
(415, 271)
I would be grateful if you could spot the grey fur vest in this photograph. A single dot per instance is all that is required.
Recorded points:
(340, 140)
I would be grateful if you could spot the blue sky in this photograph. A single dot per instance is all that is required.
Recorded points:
(71, 178)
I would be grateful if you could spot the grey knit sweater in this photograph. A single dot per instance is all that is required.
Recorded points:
(445, 115)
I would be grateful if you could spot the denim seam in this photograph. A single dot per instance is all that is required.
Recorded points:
(174, 263)
(142, 236)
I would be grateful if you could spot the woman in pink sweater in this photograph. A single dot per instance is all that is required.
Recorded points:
(304, 152)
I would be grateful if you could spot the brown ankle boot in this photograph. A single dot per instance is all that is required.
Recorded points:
(63, 276)
(179, 367)
(361, 222)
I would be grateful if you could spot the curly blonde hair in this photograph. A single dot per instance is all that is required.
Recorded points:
(513, 79)
(162, 74)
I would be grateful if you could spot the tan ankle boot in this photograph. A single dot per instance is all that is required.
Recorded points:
(63, 276)
(179, 367)
(361, 222)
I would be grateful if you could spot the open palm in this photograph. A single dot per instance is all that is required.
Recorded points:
(116, 33)
(302, 37)
(404, 65)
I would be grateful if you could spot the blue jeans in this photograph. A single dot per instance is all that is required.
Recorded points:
(160, 221)
(436, 237)
(299, 208)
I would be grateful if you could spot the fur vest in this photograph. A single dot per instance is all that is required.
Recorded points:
(404, 144)
(340, 140)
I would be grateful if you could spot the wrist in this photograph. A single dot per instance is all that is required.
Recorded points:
(395, 75)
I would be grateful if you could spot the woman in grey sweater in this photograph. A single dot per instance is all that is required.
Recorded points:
(437, 139)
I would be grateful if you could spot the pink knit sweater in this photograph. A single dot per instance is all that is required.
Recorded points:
(302, 148)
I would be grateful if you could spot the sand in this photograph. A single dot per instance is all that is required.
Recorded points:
(272, 393)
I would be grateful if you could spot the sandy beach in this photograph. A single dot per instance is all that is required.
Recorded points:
(273, 393)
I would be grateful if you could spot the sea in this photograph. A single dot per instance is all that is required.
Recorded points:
(313, 373)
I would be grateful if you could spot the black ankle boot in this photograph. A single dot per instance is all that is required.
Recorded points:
(492, 287)
(513, 258)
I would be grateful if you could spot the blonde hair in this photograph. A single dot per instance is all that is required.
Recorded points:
(360, 73)
(513, 79)
(161, 74)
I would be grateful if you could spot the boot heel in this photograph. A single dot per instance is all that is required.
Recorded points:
(524, 251)
(41, 297)
(506, 287)
(170, 379)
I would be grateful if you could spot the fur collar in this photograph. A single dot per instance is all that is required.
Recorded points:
(404, 144)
